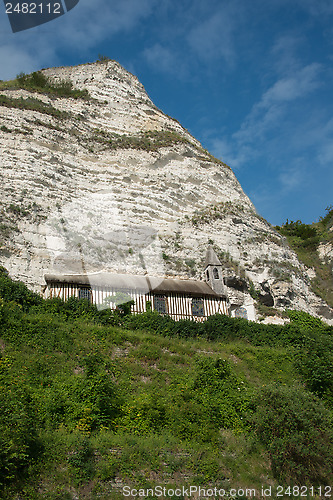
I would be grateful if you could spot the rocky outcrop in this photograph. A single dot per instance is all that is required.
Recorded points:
(110, 182)
(325, 251)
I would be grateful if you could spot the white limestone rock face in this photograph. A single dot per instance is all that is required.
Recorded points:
(112, 183)
(325, 251)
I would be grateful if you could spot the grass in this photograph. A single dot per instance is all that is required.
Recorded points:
(41, 84)
(217, 211)
(32, 104)
(129, 451)
(38, 82)
(206, 156)
(13, 213)
(143, 446)
(151, 140)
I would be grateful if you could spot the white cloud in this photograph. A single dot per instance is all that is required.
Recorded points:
(292, 178)
(224, 148)
(274, 131)
(88, 24)
(161, 58)
(293, 87)
(325, 137)
(94, 21)
(269, 112)
(326, 154)
(283, 56)
(14, 60)
(199, 32)
(18, 54)
(213, 38)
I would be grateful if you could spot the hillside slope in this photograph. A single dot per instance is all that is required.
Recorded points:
(313, 244)
(93, 402)
(95, 177)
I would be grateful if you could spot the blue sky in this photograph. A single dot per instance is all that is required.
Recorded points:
(252, 80)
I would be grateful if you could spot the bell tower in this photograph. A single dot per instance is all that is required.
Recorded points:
(213, 272)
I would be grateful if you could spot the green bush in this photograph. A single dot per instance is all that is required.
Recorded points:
(33, 105)
(223, 328)
(315, 364)
(306, 321)
(39, 82)
(143, 416)
(82, 402)
(327, 220)
(151, 321)
(75, 308)
(224, 397)
(295, 428)
(19, 444)
(304, 235)
(81, 459)
(304, 239)
(16, 291)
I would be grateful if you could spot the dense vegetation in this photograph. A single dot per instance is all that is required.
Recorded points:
(95, 400)
(32, 104)
(38, 82)
(305, 240)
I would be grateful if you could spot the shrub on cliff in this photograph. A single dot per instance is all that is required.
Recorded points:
(16, 291)
(295, 427)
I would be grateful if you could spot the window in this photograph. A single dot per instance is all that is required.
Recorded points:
(160, 304)
(85, 293)
(216, 273)
(197, 307)
(207, 274)
(241, 312)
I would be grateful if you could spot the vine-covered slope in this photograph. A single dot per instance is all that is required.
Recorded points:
(95, 401)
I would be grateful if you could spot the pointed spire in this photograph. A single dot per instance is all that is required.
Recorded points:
(211, 258)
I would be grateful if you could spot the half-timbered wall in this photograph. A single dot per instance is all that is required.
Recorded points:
(178, 306)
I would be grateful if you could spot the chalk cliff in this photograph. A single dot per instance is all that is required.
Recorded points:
(107, 181)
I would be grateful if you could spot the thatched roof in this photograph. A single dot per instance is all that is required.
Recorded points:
(143, 284)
